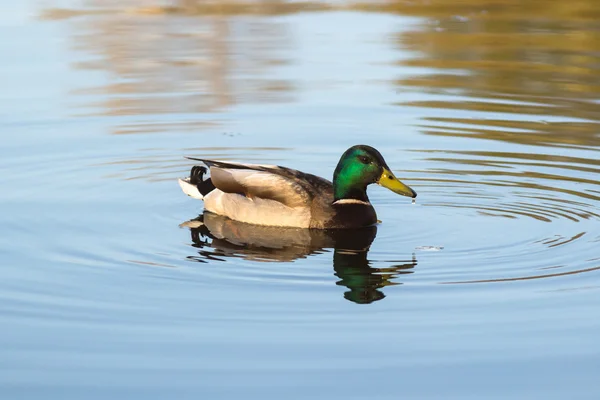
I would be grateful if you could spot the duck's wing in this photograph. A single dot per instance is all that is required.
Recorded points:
(285, 185)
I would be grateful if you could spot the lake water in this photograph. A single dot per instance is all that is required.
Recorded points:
(487, 287)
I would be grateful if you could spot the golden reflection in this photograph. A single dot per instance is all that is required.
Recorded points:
(535, 63)
(532, 63)
(218, 237)
(197, 7)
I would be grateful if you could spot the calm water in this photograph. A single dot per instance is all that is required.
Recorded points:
(487, 287)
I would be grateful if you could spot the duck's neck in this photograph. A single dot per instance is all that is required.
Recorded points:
(346, 188)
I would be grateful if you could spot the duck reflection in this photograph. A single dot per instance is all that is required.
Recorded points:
(228, 238)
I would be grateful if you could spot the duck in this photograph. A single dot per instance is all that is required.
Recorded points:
(273, 195)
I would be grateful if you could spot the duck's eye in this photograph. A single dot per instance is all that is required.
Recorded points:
(364, 160)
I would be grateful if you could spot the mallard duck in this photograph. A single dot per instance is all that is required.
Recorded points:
(279, 196)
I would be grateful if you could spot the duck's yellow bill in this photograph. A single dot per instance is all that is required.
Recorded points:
(388, 180)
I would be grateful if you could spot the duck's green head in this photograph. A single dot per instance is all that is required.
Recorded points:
(361, 166)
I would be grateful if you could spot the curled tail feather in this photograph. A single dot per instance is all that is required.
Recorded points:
(195, 186)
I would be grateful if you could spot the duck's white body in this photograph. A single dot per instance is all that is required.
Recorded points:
(254, 197)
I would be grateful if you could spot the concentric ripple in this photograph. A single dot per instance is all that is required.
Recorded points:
(514, 185)
(481, 217)
(521, 216)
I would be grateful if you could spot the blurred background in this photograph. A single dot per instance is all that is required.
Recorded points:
(191, 57)
(487, 287)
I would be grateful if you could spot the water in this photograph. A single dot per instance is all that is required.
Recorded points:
(486, 287)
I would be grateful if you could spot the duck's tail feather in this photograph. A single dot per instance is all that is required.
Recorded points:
(195, 186)
(189, 189)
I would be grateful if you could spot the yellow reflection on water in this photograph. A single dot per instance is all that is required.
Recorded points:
(517, 71)
(534, 63)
